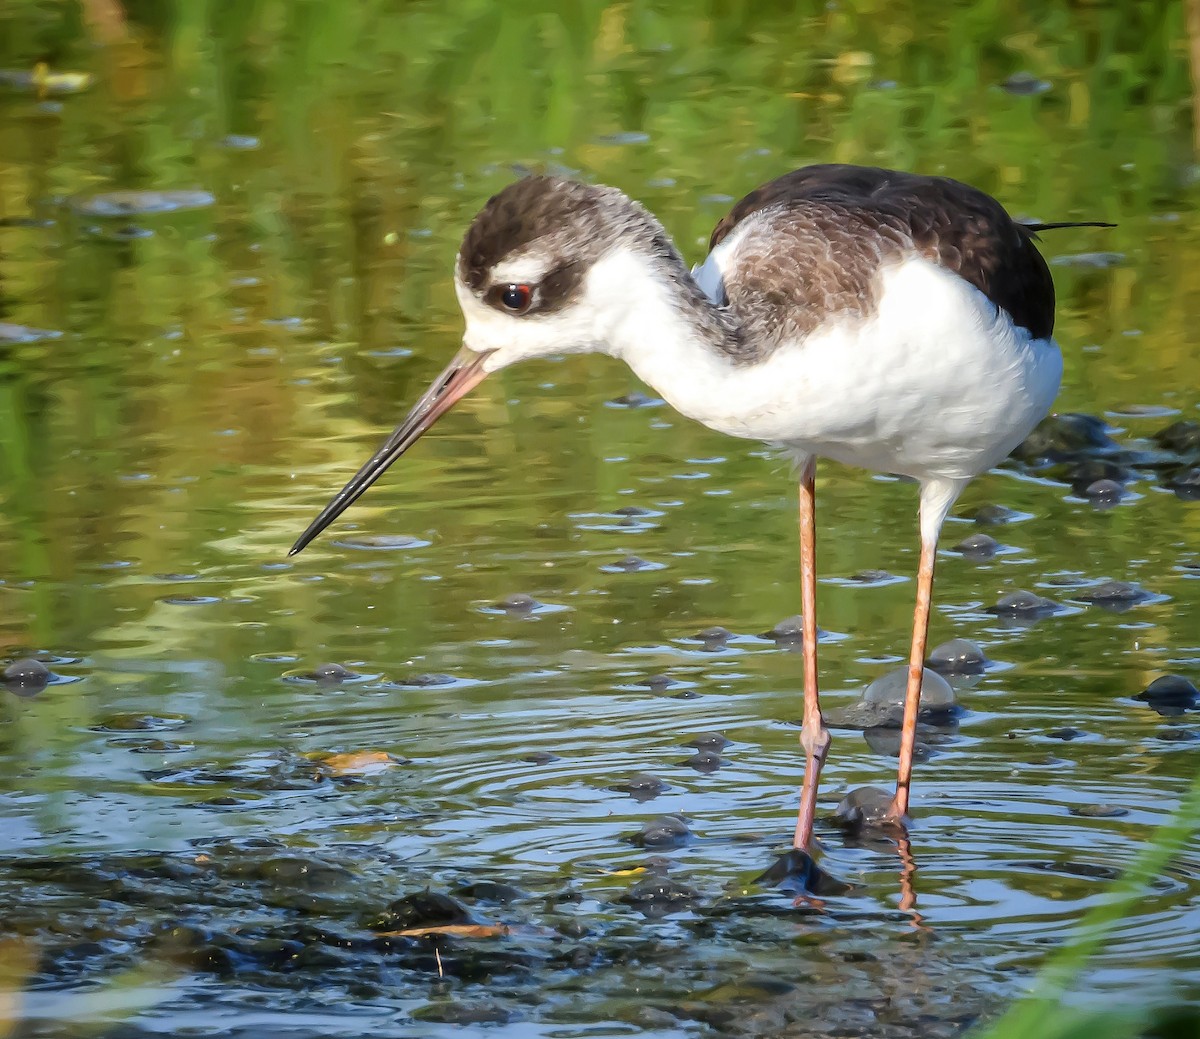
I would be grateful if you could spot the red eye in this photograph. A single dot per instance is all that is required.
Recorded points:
(516, 298)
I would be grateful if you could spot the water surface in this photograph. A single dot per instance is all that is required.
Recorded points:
(198, 838)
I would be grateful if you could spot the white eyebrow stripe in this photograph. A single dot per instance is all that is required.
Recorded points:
(520, 270)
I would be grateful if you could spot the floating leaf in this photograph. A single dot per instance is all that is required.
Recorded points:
(358, 762)
(454, 930)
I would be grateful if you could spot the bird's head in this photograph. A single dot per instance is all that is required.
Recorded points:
(529, 275)
(531, 282)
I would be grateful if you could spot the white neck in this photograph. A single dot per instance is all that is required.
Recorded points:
(663, 327)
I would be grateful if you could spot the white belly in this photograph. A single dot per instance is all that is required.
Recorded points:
(938, 384)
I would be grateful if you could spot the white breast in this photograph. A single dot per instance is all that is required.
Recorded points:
(939, 383)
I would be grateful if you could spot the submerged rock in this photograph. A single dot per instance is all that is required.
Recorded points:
(427, 679)
(642, 787)
(1186, 484)
(629, 565)
(420, 909)
(1103, 492)
(1024, 605)
(519, 602)
(789, 631)
(658, 682)
(705, 761)
(864, 806)
(1183, 437)
(1112, 593)
(658, 896)
(1065, 437)
(958, 657)
(667, 831)
(1098, 811)
(977, 546)
(709, 741)
(1170, 694)
(882, 703)
(27, 676)
(636, 399)
(993, 515)
(331, 674)
(871, 577)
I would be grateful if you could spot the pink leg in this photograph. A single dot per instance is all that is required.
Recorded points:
(916, 668)
(814, 737)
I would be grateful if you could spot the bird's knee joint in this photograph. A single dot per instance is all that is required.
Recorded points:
(815, 739)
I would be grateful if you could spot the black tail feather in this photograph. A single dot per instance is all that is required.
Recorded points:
(1035, 228)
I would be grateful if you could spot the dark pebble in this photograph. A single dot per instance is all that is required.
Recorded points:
(332, 673)
(977, 546)
(1023, 604)
(709, 741)
(27, 676)
(490, 891)
(870, 577)
(1170, 691)
(1186, 484)
(420, 909)
(1065, 437)
(705, 761)
(636, 399)
(1178, 735)
(426, 679)
(864, 806)
(540, 757)
(715, 634)
(1088, 470)
(518, 603)
(790, 629)
(134, 722)
(957, 657)
(1101, 811)
(658, 682)
(1066, 734)
(641, 787)
(1112, 592)
(629, 565)
(632, 511)
(658, 896)
(992, 515)
(1103, 492)
(891, 688)
(1182, 436)
(667, 831)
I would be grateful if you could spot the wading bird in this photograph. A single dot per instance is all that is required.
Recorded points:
(895, 322)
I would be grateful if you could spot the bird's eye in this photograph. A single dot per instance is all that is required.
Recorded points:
(516, 298)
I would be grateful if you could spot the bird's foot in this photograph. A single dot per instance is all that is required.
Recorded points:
(796, 873)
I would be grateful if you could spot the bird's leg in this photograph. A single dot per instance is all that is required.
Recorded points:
(916, 669)
(814, 737)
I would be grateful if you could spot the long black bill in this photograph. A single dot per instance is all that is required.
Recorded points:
(461, 376)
